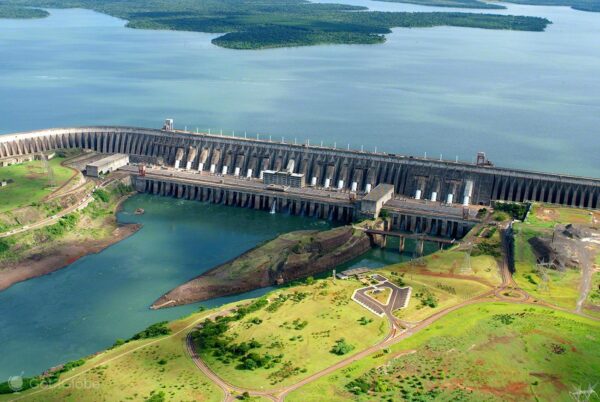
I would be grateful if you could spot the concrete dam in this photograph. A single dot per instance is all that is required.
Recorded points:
(437, 197)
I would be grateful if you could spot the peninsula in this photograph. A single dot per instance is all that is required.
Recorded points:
(291, 256)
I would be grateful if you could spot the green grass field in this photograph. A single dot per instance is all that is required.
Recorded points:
(454, 262)
(488, 351)
(446, 292)
(592, 303)
(562, 288)
(547, 216)
(134, 371)
(302, 331)
(30, 183)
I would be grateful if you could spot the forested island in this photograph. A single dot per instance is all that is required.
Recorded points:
(582, 5)
(17, 12)
(273, 23)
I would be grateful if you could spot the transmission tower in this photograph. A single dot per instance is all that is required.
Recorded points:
(47, 169)
(583, 395)
(466, 266)
(542, 271)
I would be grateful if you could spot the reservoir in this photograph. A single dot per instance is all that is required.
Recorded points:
(529, 99)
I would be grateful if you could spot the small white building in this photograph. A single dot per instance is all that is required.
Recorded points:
(106, 165)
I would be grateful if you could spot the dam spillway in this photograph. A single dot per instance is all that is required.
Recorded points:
(334, 177)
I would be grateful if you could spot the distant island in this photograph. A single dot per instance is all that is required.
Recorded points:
(17, 12)
(581, 5)
(272, 23)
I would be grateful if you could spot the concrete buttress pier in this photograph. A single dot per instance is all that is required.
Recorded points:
(433, 189)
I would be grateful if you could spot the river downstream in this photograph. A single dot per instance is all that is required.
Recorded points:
(84, 308)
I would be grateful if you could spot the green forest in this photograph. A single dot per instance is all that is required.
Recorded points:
(21, 12)
(259, 24)
(582, 5)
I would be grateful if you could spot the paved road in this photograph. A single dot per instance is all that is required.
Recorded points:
(240, 183)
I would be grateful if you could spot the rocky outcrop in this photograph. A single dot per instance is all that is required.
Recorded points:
(286, 258)
(566, 247)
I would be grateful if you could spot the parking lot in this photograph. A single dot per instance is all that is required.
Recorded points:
(398, 299)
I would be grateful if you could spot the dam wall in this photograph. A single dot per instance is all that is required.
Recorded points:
(326, 167)
(260, 200)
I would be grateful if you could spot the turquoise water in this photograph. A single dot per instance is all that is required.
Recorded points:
(84, 308)
(529, 99)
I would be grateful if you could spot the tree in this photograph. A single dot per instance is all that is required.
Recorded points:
(341, 347)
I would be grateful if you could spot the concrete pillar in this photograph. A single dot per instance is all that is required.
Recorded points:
(249, 173)
(313, 181)
(420, 247)
(590, 197)
(354, 186)
(434, 196)
(368, 188)
(418, 194)
(340, 184)
(224, 171)
(327, 181)
(402, 241)
(236, 172)
(212, 168)
(449, 198)
(200, 166)
(177, 164)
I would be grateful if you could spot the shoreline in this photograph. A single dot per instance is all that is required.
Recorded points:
(217, 281)
(60, 257)
(65, 254)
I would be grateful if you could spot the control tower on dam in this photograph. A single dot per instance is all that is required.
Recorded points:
(446, 182)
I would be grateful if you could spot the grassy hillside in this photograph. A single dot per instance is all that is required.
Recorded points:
(30, 182)
(253, 24)
(135, 371)
(491, 352)
(292, 336)
(96, 221)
